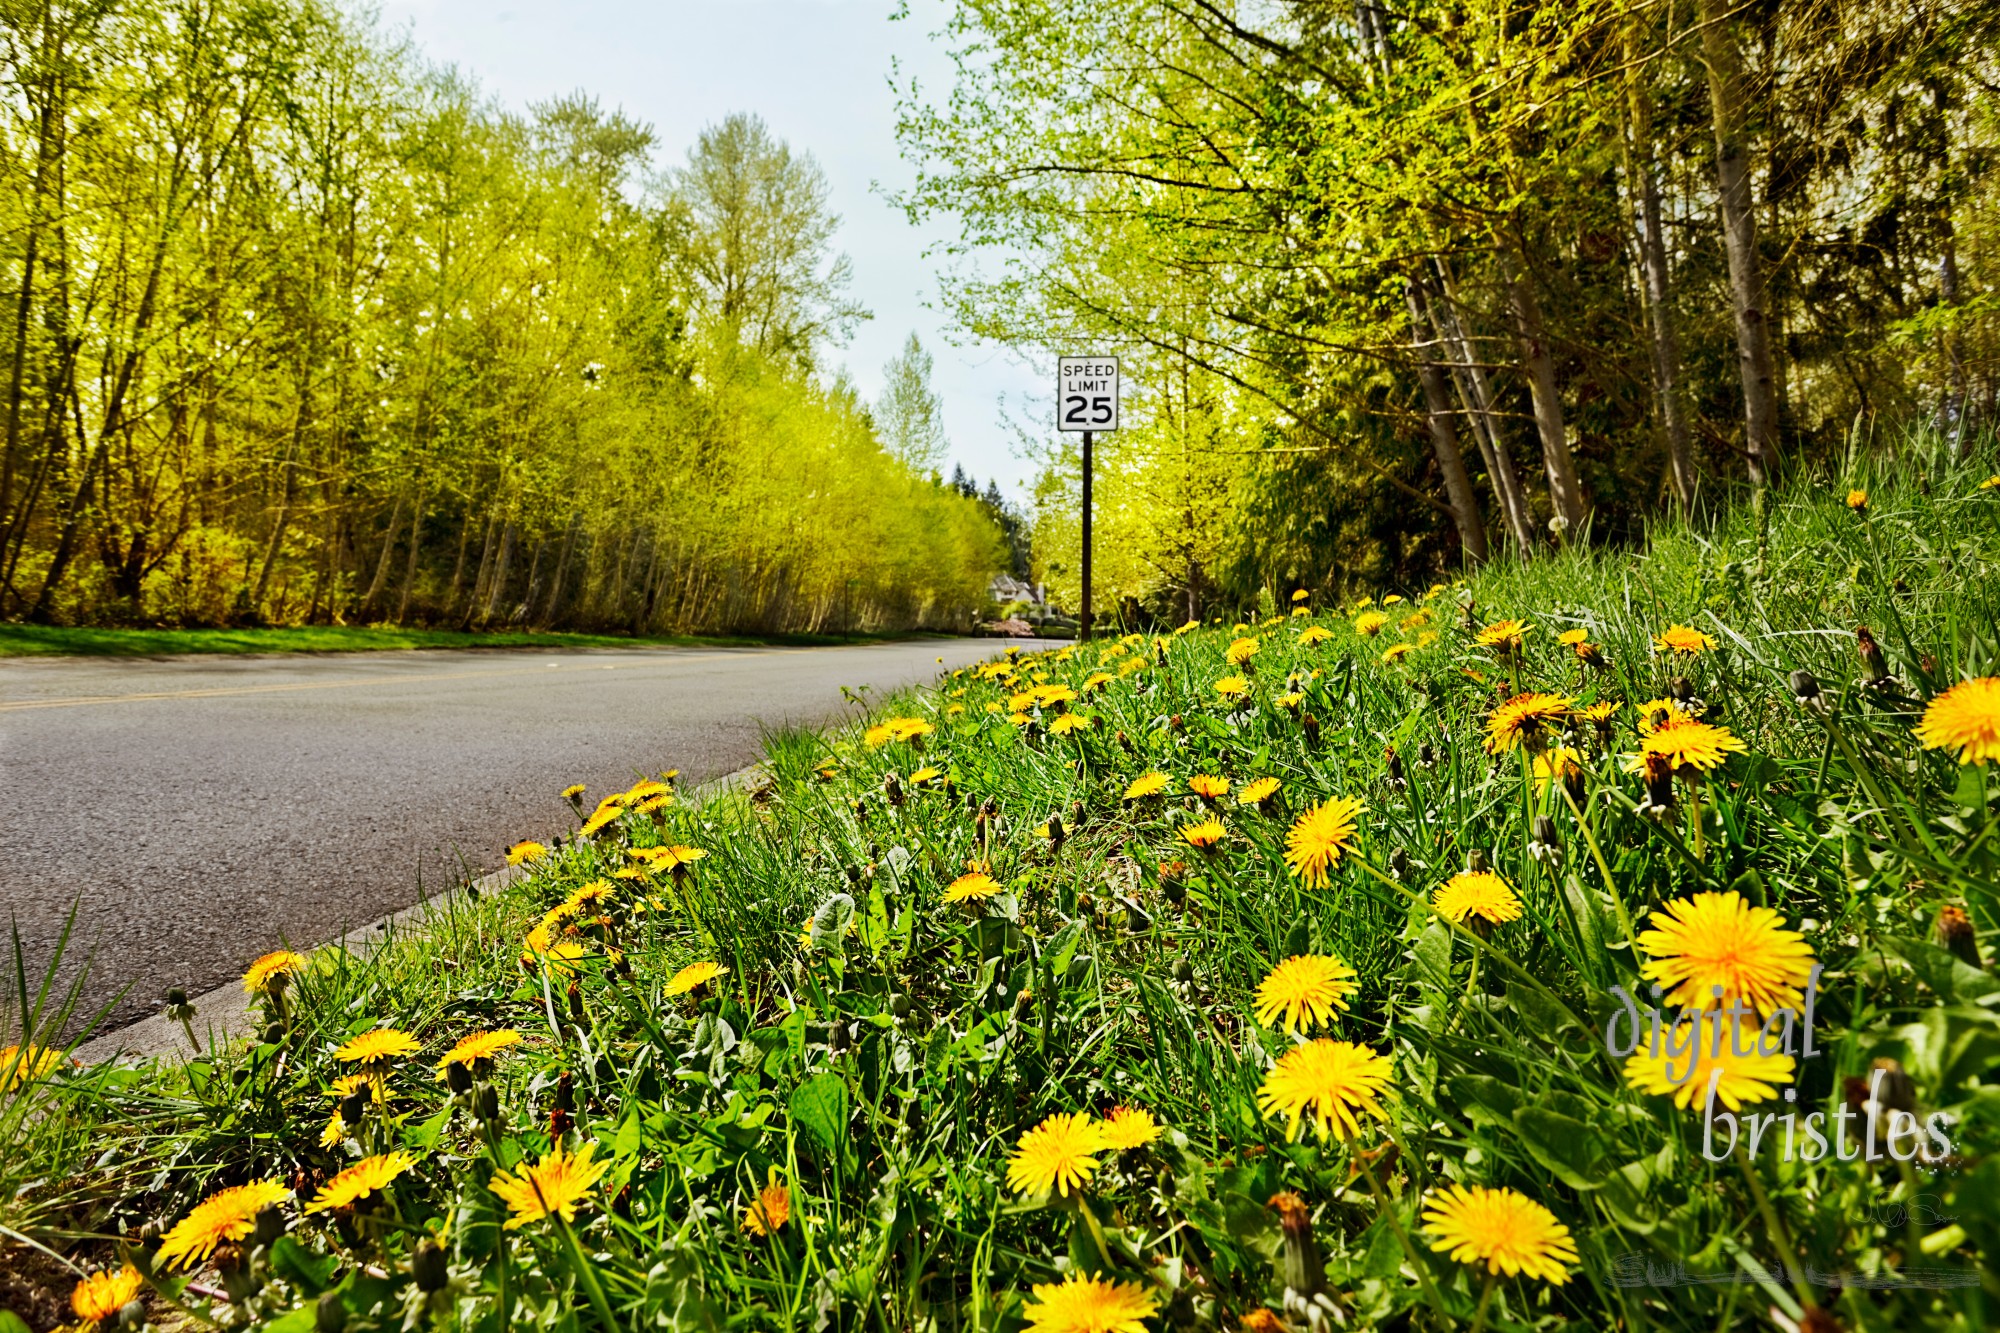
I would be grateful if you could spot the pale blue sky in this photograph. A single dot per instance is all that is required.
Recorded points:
(817, 71)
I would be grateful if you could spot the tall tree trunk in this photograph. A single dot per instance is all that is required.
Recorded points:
(1444, 436)
(1952, 405)
(458, 568)
(498, 587)
(562, 565)
(477, 599)
(1565, 491)
(1642, 171)
(382, 560)
(1739, 230)
(410, 565)
(1477, 397)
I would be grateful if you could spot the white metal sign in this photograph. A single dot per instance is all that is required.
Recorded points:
(1087, 393)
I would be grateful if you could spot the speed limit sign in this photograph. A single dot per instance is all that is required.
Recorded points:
(1087, 393)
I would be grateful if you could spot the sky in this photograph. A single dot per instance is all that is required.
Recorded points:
(817, 71)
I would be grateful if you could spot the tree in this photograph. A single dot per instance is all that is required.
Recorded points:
(910, 414)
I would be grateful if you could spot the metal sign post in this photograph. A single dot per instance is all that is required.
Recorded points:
(1086, 401)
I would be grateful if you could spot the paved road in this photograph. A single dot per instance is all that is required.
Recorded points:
(201, 809)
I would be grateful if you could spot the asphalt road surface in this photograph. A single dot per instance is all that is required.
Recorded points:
(199, 810)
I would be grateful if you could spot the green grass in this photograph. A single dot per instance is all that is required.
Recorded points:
(54, 641)
(881, 1053)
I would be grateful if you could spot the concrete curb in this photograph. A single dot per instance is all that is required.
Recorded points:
(225, 1012)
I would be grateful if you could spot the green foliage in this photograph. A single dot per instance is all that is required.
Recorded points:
(879, 1053)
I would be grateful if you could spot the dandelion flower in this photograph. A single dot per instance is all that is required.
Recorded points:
(1476, 893)
(101, 1296)
(1071, 722)
(1232, 687)
(1313, 634)
(1415, 620)
(676, 856)
(282, 963)
(1965, 718)
(1681, 639)
(1089, 1305)
(1058, 1154)
(479, 1046)
(1656, 713)
(909, 728)
(600, 819)
(1305, 990)
(1208, 788)
(1127, 1127)
(1241, 651)
(335, 1131)
(1396, 652)
(1857, 500)
(22, 1065)
(925, 775)
(1258, 791)
(523, 853)
(1300, 595)
(1505, 1229)
(551, 1187)
(694, 975)
(1370, 623)
(1503, 636)
(971, 887)
(370, 1175)
(380, 1045)
(1719, 939)
(1556, 763)
(1686, 742)
(1204, 836)
(1146, 784)
(1319, 837)
(1738, 1078)
(769, 1210)
(1525, 719)
(574, 790)
(876, 736)
(1334, 1082)
(229, 1215)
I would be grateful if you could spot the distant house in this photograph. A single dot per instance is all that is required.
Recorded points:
(1006, 588)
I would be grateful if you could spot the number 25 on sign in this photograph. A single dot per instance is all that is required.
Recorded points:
(1087, 397)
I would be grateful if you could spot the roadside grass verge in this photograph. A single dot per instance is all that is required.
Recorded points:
(813, 1057)
(56, 641)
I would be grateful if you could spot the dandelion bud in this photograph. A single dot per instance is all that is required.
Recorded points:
(1546, 833)
(132, 1314)
(1659, 770)
(1427, 755)
(1955, 932)
(1395, 766)
(353, 1106)
(176, 997)
(270, 1224)
(330, 1315)
(1174, 723)
(1681, 688)
(1399, 863)
(458, 1078)
(575, 1004)
(1311, 726)
(1304, 1271)
(1872, 661)
(899, 1005)
(1076, 813)
(566, 1092)
(273, 1033)
(1475, 861)
(854, 874)
(486, 1103)
(1805, 686)
(428, 1266)
(1056, 833)
(1183, 971)
(1125, 744)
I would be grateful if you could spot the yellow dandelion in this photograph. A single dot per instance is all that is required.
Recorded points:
(1965, 718)
(99, 1297)
(1300, 595)
(1415, 620)
(769, 1211)
(909, 728)
(1857, 500)
(370, 1175)
(1719, 940)
(1258, 791)
(1396, 652)
(1207, 787)
(1502, 1228)
(925, 776)
(1370, 623)
(1525, 719)
(378, 1046)
(1333, 1082)
(1504, 636)
(1570, 638)
(335, 1131)
(226, 1216)
(574, 790)
(1305, 990)
(1232, 687)
(677, 855)
(1559, 762)
(1313, 634)
(1127, 1127)
(1204, 836)
(1146, 784)
(600, 819)
(1682, 639)
(1071, 722)
(971, 887)
(876, 736)
(694, 975)
(1089, 1305)
(1320, 836)
(1241, 651)
(479, 1046)
(1991, 483)
(1187, 628)
(1476, 893)
(1290, 700)
(1686, 742)
(551, 1187)
(1058, 1154)
(1738, 1079)
(282, 963)
(524, 853)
